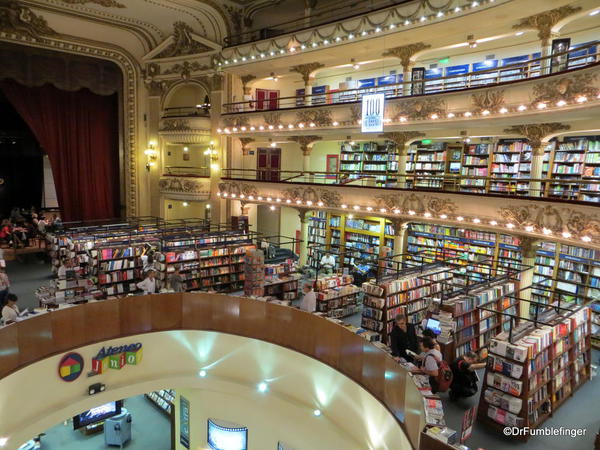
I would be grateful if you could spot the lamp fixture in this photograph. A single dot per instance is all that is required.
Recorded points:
(151, 155)
(212, 152)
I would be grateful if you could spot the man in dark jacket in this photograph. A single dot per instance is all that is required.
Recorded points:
(464, 379)
(403, 337)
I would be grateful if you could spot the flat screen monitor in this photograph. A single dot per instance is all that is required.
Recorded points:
(97, 414)
(433, 325)
(226, 436)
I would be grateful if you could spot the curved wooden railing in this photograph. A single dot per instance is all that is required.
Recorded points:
(52, 333)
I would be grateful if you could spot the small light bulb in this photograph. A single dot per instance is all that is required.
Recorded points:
(493, 223)
(460, 218)
(317, 412)
(485, 112)
(503, 110)
(522, 108)
(450, 115)
(561, 103)
(443, 216)
(529, 228)
(263, 387)
(427, 214)
(586, 238)
(510, 226)
(202, 373)
(566, 234)
(344, 206)
(468, 114)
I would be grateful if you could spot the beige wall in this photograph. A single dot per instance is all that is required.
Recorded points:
(267, 220)
(290, 222)
(174, 154)
(178, 210)
(190, 94)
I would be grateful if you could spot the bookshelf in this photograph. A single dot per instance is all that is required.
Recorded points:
(591, 171)
(372, 158)
(511, 160)
(471, 328)
(527, 379)
(281, 281)
(595, 333)
(424, 163)
(120, 267)
(568, 162)
(254, 273)
(162, 399)
(317, 236)
(337, 296)
(476, 163)
(410, 294)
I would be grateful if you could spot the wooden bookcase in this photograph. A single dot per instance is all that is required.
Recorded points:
(336, 295)
(528, 380)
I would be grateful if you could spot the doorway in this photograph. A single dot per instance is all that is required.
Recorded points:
(267, 99)
(268, 164)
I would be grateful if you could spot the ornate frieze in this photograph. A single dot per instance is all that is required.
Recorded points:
(105, 3)
(400, 138)
(186, 68)
(491, 100)
(417, 203)
(183, 42)
(19, 19)
(306, 142)
(183, 185)
(420, 108)
(245, 80)
(245, 189)
(176, 125)
(329, 198)
(567, 88)
(245, 141)
(272, 118)
(320, 117)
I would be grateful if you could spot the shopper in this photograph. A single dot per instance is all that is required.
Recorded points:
(150, 284)
(176, 280)
(5, 232)
(66, 269)
(464, 378)
(432, 361)
(4, 286)
(10, 311)
(402, 338)
(327, 263)
(309, 301)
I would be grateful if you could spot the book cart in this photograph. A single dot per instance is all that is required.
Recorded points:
(535, 366)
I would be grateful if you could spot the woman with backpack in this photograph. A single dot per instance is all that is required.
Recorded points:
(440, 375)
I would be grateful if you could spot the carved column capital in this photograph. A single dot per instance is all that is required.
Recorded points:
(245, 141)
(302, 215)
(529, 246)
(405, 52)
(401, 138)
(306, 70)
(245, 80)
(306, 142)
(543, 22)
(536, 132)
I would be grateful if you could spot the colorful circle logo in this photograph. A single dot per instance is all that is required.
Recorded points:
(70, 366)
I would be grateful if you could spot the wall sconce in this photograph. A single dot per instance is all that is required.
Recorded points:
(212, 152)
(151, 155)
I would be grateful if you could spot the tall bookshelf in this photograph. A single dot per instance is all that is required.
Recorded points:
(472, 328)
(511, 160)
(120, 267)
(317, 237)
(591, 171)
(410, 294)
(476, 163)
(372, 158)
(568, 162)
(426, 164)
(337, 296)
(163, 400)
(528, 379)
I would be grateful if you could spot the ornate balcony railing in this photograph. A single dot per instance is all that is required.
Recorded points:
(187, 171)
(574, 190)
(527, 70)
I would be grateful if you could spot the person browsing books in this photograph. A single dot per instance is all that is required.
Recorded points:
(10, 312)
(149, 285)
(176, 280)
(4, 285)
(328, 262)
(403, 339)
(464, 378)
(431, 361)
(309, 301)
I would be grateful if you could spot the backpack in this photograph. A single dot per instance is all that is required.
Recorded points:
(444, 378)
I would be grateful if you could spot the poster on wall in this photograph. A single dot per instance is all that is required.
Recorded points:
(467, 423)
(184, 422)
(417, 76)
(559, 62)
(372, 113)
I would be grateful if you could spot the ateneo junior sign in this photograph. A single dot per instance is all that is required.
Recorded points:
(117, 357)
(372, 113)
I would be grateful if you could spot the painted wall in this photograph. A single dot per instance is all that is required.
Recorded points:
(289, 222)
(267, 220)
(186, 95)
(291, 155)
(174, 155)
(235, 365)
(180, 209)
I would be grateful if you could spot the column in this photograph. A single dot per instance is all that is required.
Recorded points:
(400, 239)
(406, 77)
(302, 214)
(537, 165)
(402, 158)
(150, 198)
(218, 214)
(529, 247)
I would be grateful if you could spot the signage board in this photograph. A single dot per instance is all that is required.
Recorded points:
(373, 106)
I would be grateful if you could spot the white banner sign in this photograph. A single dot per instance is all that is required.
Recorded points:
(372, 113)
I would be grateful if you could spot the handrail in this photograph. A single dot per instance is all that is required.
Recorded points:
(48, 334)
(296, 25)
(521, 187)
(530, 69)
(186, 111)
(187, 171)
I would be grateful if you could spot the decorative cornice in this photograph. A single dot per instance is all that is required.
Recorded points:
(536, 132)
(186, 68)
(305, 142)
(306, 70)
(417, 203)
(245, 141)
(320, 117)
(105, 3)
(272, 118)
(176, 125)
(405, 52)
(245, 80)
(328, 198)
(184, 185)
(544, 22)
(18, 19)
(420, 108)
(183, 43)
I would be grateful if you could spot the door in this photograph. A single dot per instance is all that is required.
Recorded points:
(268, 163)
(267, 99)
(332, 165)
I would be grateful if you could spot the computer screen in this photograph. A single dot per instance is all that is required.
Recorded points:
(97, 414)
(433, 325)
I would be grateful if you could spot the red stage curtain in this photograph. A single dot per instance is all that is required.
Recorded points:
(79, 132)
